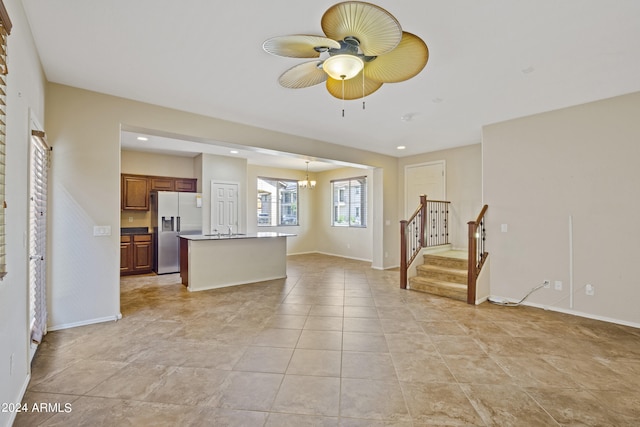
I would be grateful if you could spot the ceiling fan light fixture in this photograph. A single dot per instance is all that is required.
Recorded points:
(343, 67)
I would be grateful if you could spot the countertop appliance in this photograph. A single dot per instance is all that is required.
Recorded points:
(173, 213)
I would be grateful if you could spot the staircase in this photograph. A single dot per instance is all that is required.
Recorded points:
(444, 274)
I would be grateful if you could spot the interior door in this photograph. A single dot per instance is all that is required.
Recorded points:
(425, 178)
(224, 207)
(38, 172)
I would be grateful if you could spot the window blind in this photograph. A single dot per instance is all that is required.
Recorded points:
(5, 29)
(39, 169)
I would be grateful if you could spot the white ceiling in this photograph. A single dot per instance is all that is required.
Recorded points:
(490, 61)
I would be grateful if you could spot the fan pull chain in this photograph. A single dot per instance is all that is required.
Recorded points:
(363, 89)
(342, 96)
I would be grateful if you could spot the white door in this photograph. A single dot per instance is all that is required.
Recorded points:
(224, 207)
(38, 172)
(425, 178)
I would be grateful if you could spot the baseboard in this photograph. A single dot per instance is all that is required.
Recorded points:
(302, 253)
(85, 322)
(582, 314)
(347, 257)
(344, 256)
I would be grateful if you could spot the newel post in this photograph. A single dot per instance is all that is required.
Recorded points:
(472, 266)
(403, 254)
(423, 220)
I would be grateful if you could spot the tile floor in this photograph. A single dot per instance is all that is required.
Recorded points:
(335, 344)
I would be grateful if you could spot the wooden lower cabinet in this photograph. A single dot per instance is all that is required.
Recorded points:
(136, 254)
(126, 254)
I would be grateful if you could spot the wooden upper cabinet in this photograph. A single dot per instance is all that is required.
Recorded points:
(135, 193)
(186, 184)
(162, 183)
(136, 188)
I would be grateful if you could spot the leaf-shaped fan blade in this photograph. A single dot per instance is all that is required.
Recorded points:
(303, 75)
(376, 29)
(352, 87)
(298, 46)
(402, 63)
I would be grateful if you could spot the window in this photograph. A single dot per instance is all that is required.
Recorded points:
(5, 29)
(277, 202)
(349, 202)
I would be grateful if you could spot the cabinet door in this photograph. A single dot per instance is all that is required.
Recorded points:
(142, 253)
(162, 184)
(186, 184)
(135, 193)
(126, 255)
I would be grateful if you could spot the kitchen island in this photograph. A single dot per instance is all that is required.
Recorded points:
(220, 260)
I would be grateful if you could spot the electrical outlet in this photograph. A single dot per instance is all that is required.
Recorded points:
(590, 290)
(547, 284)
(558, 285)
(130, 219)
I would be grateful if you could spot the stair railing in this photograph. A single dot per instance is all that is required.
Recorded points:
(477, 253)
(437, 223)
(427, 227)
(412, 238)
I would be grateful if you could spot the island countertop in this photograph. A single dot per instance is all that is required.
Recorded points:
(225, 236)
(215, 261)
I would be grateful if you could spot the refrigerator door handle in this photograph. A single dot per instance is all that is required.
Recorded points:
(178, 224)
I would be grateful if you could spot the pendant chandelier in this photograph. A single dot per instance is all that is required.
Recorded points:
(306, 183)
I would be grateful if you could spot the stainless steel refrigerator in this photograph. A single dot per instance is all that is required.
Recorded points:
(172, 214)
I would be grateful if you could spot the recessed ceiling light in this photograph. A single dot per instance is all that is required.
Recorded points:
(408, 117)
(401, 147)
(142, 138)
(234, 151)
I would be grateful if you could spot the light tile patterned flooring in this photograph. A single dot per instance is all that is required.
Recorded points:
(335, 344)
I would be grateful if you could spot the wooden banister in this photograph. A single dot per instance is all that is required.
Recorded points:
(412, 243)
(477, 253)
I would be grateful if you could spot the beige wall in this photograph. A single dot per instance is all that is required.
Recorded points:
(84, 129)
(463, 166)
(25, 111)
(349, 242)
(142, 163)
(576, 166)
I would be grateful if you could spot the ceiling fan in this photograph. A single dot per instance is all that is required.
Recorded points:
(364, 47)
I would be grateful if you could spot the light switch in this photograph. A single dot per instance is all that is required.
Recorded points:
(102, 230)
(504, 228)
